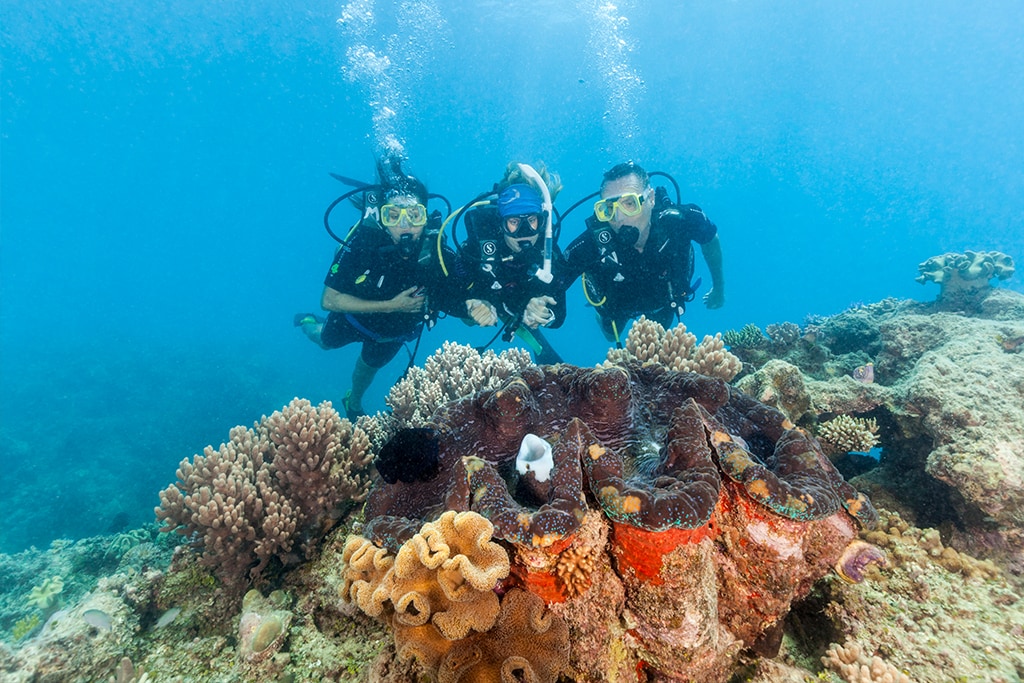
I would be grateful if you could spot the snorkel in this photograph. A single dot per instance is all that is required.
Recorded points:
(544, 274)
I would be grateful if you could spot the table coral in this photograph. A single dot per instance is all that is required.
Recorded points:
(717, 513)
(960, 276)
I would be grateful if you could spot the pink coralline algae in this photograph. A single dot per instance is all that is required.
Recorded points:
(856, 559)
(680, 521)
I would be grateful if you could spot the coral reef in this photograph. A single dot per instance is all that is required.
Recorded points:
(961, 277)
(715, 512)
(453, 371)
(856, 666)
(931, 613)
(270, 492)
(262, 629)
(843, 434)
(948, 401)
(676, 349)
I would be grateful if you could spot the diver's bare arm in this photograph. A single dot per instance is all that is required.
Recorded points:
(339, 302)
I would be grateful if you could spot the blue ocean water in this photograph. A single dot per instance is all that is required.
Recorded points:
(164, 172)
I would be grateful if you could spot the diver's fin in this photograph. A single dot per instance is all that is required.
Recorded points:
(351, 182)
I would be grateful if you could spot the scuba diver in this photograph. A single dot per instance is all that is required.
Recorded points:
(387, 279)
(509, 262)
(636, 254)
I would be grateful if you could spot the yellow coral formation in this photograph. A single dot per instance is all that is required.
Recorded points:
(46, 595)
(452, 372)
(855, 666)
(844, 434)
(528, 643)
(677, 350)
(442, 578)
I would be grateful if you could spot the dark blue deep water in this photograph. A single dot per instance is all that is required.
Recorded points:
(164, 173)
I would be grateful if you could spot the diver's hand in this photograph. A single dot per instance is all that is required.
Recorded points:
(407, 301)
(481, 312)
(537, 312)
(715, 298)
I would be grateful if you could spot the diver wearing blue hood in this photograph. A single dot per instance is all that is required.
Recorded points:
(510, 261)
(386, 280)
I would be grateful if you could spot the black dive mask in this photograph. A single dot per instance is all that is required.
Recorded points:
(407, 246)
(627, 235)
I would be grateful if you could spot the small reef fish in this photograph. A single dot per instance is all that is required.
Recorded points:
(1009, 344)
(167, 617)
(865, 373)
(97, 618)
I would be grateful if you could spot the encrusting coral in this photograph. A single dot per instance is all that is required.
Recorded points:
(846, 434)
(856, 666)
(677, 350)
(453, 371)
(271, 491)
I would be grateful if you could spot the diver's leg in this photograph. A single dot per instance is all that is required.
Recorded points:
(372, 358)
(362, 377)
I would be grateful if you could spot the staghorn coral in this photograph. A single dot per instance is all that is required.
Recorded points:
(856, 666)
(677, 349)
(750, 337)
(453, 371)
(845, 434)
(705, 514)
(269, 492)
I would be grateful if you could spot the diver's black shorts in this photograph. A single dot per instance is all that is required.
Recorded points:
(338, 331)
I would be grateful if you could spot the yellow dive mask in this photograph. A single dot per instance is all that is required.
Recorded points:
(629, 204)
(392, 214)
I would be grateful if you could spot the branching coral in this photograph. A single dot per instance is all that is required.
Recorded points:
(677, 350)
(845, 434)
(454, 371)
(750, 337)
(271, 491)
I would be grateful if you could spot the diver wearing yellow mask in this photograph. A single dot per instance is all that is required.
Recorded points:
(636, 256)
(387, 280)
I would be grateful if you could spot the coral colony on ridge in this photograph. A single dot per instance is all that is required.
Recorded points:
(839, 500)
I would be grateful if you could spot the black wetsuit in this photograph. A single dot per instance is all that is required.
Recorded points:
(371, 267)
(507, 280)
(623, 283)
